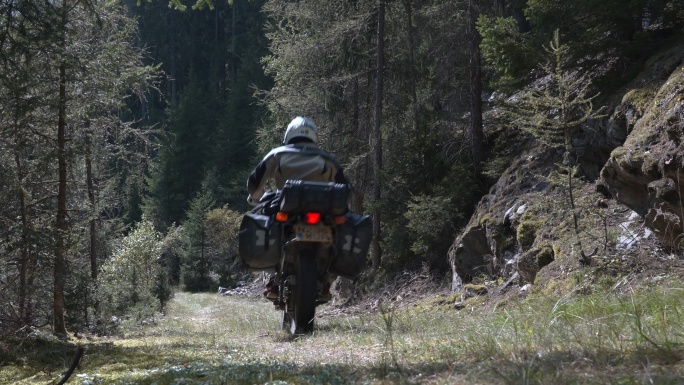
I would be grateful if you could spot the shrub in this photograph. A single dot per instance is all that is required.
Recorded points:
(133, 281)
(222, 227)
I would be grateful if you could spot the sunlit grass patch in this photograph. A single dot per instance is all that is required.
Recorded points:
(585, 339)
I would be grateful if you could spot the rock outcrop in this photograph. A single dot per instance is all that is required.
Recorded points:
(489, 244)
(512, 234)
(647, 172)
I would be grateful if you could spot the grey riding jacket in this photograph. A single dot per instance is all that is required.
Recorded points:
(302, 161)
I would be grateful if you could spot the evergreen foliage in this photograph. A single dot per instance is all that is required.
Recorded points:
(67, 70)
(559, 104)
(425, 214)
(183, 155)
(596, 32)
(195, 266)
(213, 58)
(508, 51)
(209, 249)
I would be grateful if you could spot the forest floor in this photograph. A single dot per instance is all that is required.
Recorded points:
(414, 335)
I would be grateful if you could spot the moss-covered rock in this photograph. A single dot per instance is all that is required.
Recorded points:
(546, 256)
(527, 233)
(532, 261)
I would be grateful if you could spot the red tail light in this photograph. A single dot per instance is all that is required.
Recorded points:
(282, 217)
(312, 218)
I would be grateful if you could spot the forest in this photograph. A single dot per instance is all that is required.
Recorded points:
(128, 128)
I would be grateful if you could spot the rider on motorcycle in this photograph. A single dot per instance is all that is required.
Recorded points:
(299, 158)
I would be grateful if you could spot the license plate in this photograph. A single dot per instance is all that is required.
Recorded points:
(308, 233)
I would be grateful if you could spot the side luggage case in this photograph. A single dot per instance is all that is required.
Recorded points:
(259, 242)
(352, 240)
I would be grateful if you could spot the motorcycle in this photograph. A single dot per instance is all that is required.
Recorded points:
(304, 232)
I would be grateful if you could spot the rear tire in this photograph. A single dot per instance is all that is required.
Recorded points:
(304, 297)
(285, 320)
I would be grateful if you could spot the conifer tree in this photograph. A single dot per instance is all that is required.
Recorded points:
(184, 157)
(195, 259)
(553, 112)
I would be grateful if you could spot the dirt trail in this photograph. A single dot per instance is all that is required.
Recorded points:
(214, 339)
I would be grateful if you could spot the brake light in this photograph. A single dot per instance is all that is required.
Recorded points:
(312, 218)
(282, 217)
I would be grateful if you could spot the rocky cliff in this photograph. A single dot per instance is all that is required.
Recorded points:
(629, 191)
(646, 173)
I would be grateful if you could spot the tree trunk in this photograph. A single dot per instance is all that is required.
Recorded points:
(173, 71)
(361, 174)
(91, 199)
(500, 8)
(518, 11)
(476, 130)
(412, 64)
(25, 258)
(93, 214)
(233, 32)
(61, 225)
(377, 163)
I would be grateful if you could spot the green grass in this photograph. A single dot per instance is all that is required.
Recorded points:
(633, 338)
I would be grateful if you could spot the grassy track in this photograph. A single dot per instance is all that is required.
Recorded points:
(209, 339)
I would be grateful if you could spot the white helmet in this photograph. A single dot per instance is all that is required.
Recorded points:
(301, 127)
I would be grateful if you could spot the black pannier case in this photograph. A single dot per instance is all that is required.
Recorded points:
(298, 195)
(259, 242)
(352, 240)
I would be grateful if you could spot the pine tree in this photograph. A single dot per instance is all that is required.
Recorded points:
(184, 158)
(555, 111)
(195, 259)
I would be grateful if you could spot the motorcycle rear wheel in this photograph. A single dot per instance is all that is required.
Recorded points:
(304, 297)
(285, 320)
